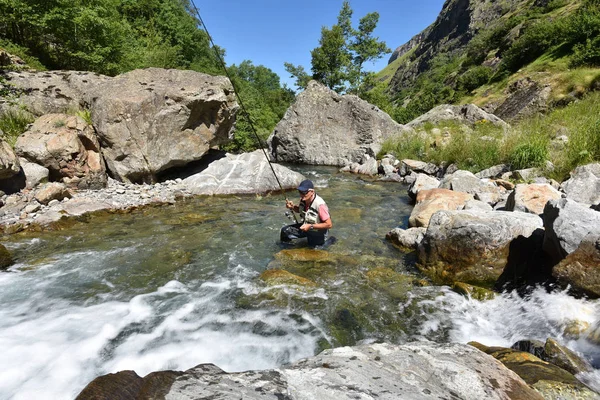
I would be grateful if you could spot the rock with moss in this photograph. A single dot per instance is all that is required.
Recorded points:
(474, 292)
(5, 258)
(548, 379)
(581, 269)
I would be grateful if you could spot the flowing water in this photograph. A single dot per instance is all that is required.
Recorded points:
(160, 288)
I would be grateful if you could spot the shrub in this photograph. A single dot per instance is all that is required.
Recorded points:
(474, 78)
(13, 123)
(412, 147)
(529, 155)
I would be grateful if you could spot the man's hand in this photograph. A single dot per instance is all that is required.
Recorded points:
(289, 204)
(305, 227)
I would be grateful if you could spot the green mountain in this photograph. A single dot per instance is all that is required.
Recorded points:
(511, 57)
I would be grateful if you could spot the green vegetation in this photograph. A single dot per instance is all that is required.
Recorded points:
(527, 144)
(13, 123)
(342, 51)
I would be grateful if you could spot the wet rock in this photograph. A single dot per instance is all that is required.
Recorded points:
(5, 258)
(406, 238)
(564, 358)
(472, 246)
(325, 128)
(382, 371)
(280, 277)
(531, 198)
(581, 268)
(246, 173)
(433, 200)
(548, 379)
(475, 292)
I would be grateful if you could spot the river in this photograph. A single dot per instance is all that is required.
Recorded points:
(160, 288)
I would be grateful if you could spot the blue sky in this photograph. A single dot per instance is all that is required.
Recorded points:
(271, 32)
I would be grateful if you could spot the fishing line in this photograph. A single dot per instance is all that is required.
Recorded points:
(235, 91)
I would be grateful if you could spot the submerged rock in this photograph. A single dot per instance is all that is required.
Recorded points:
(382, 371)
(5, 257)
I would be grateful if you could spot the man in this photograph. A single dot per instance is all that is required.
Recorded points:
(314, 214)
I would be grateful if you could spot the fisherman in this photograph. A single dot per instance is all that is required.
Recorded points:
(314, 214)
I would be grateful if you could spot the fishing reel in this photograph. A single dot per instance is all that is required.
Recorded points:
(289, 215)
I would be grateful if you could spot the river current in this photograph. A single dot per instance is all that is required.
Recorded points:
(159, 288)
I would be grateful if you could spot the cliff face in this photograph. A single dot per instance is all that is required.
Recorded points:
(458, 22)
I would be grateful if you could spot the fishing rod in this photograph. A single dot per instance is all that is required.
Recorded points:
(235, 91)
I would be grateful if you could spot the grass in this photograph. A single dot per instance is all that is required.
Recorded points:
(526, 144)
(13, 123)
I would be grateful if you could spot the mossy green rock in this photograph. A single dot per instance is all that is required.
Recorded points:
(475, 292)
(274, 277)
(5, 258)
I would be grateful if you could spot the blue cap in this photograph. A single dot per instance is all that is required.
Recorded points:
(305, 185)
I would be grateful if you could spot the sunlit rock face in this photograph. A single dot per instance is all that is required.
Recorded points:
(325, 128)
(151, 120)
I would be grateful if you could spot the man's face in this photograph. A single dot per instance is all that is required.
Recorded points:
(305, 195)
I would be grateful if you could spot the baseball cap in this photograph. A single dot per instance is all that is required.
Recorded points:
(305, 185)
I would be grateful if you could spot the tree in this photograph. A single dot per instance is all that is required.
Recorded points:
(339, 59)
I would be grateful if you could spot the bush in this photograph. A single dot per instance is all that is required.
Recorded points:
(412, 147)
(474, 78)
(13, 123)
(529, 155)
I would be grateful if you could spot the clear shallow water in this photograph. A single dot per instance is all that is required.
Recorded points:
(158, 288)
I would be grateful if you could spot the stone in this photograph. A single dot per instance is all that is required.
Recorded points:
(493, 172)
(241, 174)
(433, 200)
(35, 174)
(9, 162)
(6, 259)
(152, 120)
(531, 198)
(324, 128)
(581, 268)
(52, 191)
(584, 184)
(467, 113)
(567, 223)
(68, 147)
(472, 246)
(525, 97)
(465, 181)
(422, 167)
(422, 182)
(387, 372)
(406, 238)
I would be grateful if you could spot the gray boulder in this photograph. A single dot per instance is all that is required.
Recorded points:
(467, 114)
(581, 268)
(465, 181)
(382, 371)
(154, 119)
(34, 173)
(567, 223)
(52, 91)
(472, 246)
(66, 145)
(241, 174)
(408, 238)
(325, 128)
(423, 182)
(407, 166)
(493, 172)
(9, 163)
(584, 184)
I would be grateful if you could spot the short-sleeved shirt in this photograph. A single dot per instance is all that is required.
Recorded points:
(323, 212)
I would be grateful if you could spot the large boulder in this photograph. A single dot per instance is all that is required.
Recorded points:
(51, 91)
(431, 201)
(241, 174)
(467, 114)
(151, 120)
(567, 223)
(531, 198)
(67, 145)
(581, 268)
(584, 184)
(9, 162)
(325, 128)
(524, 97)
(465, 181)
(381, 371)
(472, 246)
